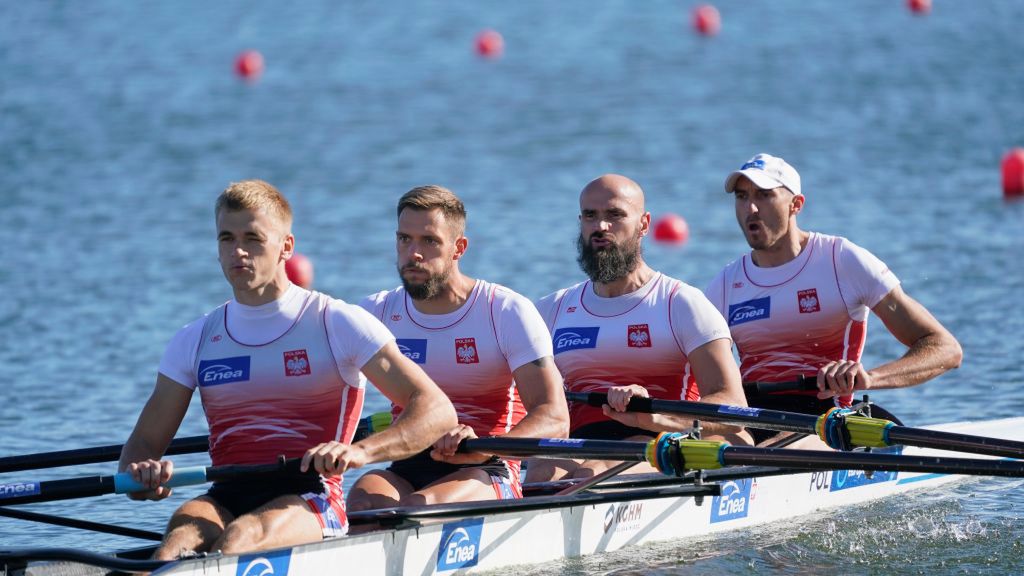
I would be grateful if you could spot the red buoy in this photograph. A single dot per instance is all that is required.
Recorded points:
(490, 44)
(706, 20)
(249, 64)
(920, 6)
(1013, 173)
(299, 270)
(671, 229)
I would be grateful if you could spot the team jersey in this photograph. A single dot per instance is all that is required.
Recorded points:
(639, 338)
(278, 378)
(790, 320)
(472, 352)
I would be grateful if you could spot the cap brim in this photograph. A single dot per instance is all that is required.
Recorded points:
(758, 177)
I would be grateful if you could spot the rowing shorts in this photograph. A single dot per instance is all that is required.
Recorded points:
(421, 470)
(323, 495)
(802, 404)
(609, 430)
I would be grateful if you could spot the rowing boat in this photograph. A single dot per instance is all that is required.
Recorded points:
(626, 511)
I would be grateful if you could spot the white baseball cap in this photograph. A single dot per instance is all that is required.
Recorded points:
(766, 171)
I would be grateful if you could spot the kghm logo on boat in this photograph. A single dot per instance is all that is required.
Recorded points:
(415, 349)
(734, 502)
(624, 517)
(16, 489)
(223, 371)
(265, 564)
(566, 339)
(460, 544)
(756, 309)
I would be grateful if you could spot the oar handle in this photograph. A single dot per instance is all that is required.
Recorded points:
(801, 384)
(124, 483)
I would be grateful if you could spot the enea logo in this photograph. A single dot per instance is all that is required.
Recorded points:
(566, 339)
(223, 371)
(264, 564)
(756, 309)
(460, 544)
(415, 349)
(733, 503)
(18, 489)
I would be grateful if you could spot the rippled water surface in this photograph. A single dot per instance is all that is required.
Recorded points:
(120, 123)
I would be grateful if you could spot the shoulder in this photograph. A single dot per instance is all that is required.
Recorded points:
(374, 303)
(341, 312)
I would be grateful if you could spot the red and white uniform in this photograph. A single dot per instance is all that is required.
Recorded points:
(278, 378)
(639, 338)
(790, 320)
(471, 353)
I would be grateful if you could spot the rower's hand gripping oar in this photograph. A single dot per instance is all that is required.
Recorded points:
(841, 429)
(673, 454)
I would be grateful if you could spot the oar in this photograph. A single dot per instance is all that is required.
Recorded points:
(122, 482)
(840, 429)
(187, 445)
(801, 384)
(673, 454)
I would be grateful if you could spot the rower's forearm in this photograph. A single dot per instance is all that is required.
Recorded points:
(136, 449)
(542, 422)
(422, 422)
(926, 359)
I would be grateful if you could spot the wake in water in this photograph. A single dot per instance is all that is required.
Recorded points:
(923, 533)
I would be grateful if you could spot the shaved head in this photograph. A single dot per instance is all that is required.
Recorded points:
(615, 186)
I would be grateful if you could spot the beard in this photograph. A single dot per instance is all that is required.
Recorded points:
(610, 263)
(434, 284)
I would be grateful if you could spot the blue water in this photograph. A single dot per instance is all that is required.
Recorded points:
(121, 122)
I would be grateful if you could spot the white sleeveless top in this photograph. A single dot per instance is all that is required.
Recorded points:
(470, 353)
(790, 320)
(639, 338)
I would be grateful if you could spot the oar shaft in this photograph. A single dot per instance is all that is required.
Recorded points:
(940, 440)
(826, 460)
(741, 415)
(109, 453)
(558, 448)
(801, 384)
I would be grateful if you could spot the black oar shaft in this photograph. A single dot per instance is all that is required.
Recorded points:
(81, 524)
(940, 440)
(741, 415)
(111, 452)
(801, 384)
(824, 460)
(558, 448)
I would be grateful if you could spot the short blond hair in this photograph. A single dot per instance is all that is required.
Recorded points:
(255, 195)
(433, 197)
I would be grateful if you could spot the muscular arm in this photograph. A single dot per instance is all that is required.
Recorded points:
(540, 388)
(153, 432)
(932, 350)
(426, 411)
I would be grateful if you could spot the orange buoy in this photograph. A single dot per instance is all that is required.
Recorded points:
(1013, 173)
(299, 270)
(671, 229)
(707, 20)
(249, 64)
(489, 44)
(920, 6)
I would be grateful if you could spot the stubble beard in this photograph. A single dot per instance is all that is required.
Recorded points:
(610, 263)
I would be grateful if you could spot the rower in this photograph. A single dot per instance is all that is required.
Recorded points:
(798, 304)
(278, 369)
(631, 331)
(486, 347)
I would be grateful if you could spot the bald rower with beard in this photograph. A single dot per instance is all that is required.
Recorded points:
(632, 331)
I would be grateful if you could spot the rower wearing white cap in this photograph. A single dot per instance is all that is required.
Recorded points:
(797, 305)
